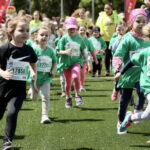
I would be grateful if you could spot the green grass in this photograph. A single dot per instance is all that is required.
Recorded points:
(91, 126)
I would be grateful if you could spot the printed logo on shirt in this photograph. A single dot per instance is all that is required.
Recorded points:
(20, 68)
(148, 66)
(86, 51)
(75, 48)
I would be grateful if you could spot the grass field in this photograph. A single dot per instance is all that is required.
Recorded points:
(91, 126)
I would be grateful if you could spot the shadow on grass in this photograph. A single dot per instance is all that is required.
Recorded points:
(76, 120)
(144, 134)
(141, 146)
(95, 95)
(17, 148)
(80, 149)
(17, 137)
(95, 109)
(27, 109)
(98, 89)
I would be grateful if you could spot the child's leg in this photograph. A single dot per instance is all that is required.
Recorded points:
(83, 74)
(142, 115)
(99, 66)
(62, 82)
(89, 64)
(34, 95)
(68, 82)
(94, 69)
(14, 105)
(76, 76)
(45, 94)
(141, 98)
(125, 96)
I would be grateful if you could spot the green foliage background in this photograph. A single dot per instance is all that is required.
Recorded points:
(52, 7)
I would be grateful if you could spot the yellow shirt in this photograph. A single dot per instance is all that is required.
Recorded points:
(34, 24)
(107, 24)
(84, 21)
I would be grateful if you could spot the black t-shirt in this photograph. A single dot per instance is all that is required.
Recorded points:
(26, 54)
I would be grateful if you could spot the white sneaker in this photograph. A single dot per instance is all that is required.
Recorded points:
(45, 119)
(82, 89)
(118, 129)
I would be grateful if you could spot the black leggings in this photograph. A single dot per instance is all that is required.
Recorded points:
(13, 106)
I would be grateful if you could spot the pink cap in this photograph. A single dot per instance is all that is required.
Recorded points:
(136, 12)
(71, 22)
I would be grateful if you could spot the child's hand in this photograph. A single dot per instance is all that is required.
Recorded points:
(7, 74)
(34, 78)
(96, 62)
(68, 51)
(100, 51)
(117, 76)
(52, 74)
(117, 68)
(35, 86)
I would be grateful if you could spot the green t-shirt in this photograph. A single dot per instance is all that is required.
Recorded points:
(98, 44)
(142, 59)
(128, 46)
(77, 45)
(29, 42)
(46, 59)
(89, 48)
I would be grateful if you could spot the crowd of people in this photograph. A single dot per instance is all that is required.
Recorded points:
(34, 48)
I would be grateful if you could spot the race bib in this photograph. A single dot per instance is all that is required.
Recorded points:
(148, 66)
(44, 64)
(20, 68)
(97, 46)
(75, 48)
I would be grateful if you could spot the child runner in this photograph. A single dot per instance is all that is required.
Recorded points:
(114, 43)
(62, 78)
(15, 57)
(142, 60)
(46, 65)
(71, 48)
(99, 47)
(36, 19)
(88, 50)
(130, 44)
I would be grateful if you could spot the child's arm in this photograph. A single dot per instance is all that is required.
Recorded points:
(65, 52)
(33, 71)
(53, 69)
(101, 50)
(128, 65)
(94, 56)
(7, 74)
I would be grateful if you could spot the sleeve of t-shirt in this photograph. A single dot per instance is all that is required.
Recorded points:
(137, 59)
(122, 49)
(90, 46)
(82, 46)
(61, 44)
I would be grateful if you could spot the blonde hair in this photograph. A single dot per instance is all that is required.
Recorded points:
(146, 31)
(12, 23)
(40, 28)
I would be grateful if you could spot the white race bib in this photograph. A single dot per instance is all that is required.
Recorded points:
(20, 68)
(148, 66)
(44, 64)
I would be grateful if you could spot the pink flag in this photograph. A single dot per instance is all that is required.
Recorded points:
(3, 7)
(129, 6)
